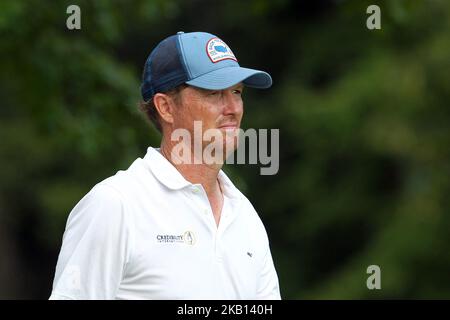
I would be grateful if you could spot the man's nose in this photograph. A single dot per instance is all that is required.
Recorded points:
(232, 102)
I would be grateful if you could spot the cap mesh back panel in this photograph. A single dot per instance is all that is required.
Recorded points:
(163, 70)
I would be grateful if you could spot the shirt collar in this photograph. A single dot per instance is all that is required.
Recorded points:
(164, 171)
(227, 186)
(169, 176)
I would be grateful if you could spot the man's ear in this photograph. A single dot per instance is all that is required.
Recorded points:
(165, 107)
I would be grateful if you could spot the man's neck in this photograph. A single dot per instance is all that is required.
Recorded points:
(201, 173)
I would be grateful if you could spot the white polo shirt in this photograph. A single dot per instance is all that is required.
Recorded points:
(147, 233)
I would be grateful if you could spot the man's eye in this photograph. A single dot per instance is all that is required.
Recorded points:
(213, 93)
(237, 91)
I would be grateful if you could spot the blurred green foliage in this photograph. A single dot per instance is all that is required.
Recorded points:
(363, 118)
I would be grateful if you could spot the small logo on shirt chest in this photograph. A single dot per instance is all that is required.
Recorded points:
(187, 237)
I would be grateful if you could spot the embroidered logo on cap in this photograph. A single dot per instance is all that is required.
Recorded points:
(218, 50)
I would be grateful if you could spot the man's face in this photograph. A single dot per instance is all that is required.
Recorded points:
(219, 112)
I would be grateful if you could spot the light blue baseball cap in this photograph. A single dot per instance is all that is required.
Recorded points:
(198, 59)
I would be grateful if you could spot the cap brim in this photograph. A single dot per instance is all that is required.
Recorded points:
(229, 76)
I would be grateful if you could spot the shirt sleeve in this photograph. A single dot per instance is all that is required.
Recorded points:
(268, 287)
(95, 248)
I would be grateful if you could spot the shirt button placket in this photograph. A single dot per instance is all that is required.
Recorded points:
(218, 251)
(196, 190)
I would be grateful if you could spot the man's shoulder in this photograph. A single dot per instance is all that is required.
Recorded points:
(245, 203)
(130, 181)
(115, 194)
(250, 209)
(247, 208)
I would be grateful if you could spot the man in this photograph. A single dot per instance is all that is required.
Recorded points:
(167, 228)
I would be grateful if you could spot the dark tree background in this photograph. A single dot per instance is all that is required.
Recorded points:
(363, 118)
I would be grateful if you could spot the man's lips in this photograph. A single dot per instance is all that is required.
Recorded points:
(229, 126)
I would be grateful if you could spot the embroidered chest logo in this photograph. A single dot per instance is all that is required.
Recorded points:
(218, 50)
(187, 237)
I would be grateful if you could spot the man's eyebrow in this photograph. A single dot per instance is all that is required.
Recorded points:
(204, 91)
